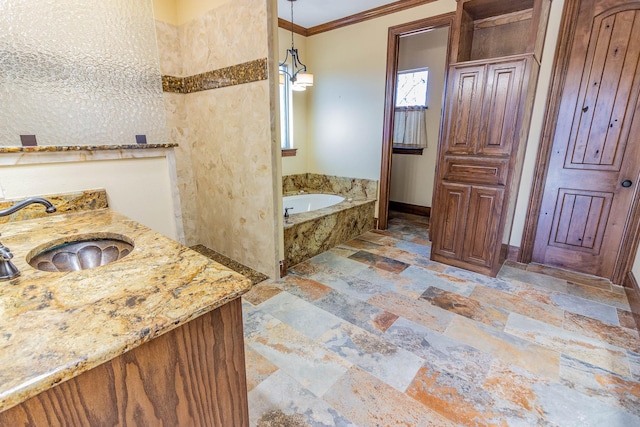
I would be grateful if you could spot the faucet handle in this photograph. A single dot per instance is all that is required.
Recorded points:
(286, 211)
(5, 253)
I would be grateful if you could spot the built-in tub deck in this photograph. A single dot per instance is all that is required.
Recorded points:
(308, 234)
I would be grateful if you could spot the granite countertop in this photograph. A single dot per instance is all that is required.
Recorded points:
(49, 148)
(54, 326)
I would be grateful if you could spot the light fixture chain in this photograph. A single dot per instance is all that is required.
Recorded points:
(291, 1)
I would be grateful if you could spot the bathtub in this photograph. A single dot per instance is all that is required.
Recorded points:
(309, 202)
(319, 222)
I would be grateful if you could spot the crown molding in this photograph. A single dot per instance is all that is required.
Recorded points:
(353, 19)
(283, 23)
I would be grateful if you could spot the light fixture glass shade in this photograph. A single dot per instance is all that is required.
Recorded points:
(298, 88)
(304, 79)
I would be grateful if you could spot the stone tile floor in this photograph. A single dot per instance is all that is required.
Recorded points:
(373, 333)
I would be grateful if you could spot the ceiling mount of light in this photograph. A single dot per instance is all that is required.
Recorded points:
(297, 73)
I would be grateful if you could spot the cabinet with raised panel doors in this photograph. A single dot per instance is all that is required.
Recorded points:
(491, 83)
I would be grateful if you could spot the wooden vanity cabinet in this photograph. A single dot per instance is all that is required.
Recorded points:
(488, 101)
(193, 375)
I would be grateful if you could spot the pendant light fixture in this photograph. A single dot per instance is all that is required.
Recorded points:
(297, 73)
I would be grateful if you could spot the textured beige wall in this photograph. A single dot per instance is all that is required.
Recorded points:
(230, 34)
(178, 12)
(165, 11)
(170, 53)
(346, 106)
(227, 160)
(537, 117)
(138, 188)
(234, 173)
(169, 49)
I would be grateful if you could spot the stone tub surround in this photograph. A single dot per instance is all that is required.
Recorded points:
(355, 188)
(307, 234)
(58, 325)
(310, 233)
(64, 203)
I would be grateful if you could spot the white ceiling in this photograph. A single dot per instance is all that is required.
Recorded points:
(309, 13)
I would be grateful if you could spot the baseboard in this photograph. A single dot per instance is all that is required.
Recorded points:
(632, 290)
(512, 253)
(411, 209)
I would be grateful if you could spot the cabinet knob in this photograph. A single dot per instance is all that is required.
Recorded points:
(626, 183)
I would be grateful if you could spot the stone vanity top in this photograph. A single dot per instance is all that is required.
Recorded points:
(54, 326)
(49, 148)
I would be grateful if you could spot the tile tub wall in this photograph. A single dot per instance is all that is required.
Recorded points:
(232, 208)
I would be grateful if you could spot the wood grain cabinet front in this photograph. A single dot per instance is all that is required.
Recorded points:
(193, 375)
(490, 91)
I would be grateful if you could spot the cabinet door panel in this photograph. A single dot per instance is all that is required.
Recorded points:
(453, 202)
(463, 114)
(483, 221)
(501, 108)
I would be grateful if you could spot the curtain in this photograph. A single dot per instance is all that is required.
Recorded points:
(410, 127)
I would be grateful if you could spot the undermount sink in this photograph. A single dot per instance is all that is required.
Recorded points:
(80, 252)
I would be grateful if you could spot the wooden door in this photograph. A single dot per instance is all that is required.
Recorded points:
(594, 165)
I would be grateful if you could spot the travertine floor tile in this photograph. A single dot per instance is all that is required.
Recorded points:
(305, 360)
(374, 333)
(382, 359)
(589, 350)
(368, 401)
(467, 307)
(508, 348)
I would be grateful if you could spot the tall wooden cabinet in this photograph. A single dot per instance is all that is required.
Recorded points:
(495, 56)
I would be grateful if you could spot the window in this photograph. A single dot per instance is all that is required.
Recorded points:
(286, 125)
(412, 88)
(410, 121)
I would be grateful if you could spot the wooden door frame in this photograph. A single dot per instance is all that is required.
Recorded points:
(631, 234)
(393, 47)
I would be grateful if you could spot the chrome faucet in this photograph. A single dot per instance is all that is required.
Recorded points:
(26, 202)
(9, 271)
(286, 211)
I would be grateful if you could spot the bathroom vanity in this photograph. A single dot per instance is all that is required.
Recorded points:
(154, 338)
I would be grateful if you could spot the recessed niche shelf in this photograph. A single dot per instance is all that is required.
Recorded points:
(498, 28)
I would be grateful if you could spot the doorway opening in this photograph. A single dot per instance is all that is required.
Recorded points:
(411, 183)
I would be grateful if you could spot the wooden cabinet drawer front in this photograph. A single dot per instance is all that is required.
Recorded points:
(480, 171)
